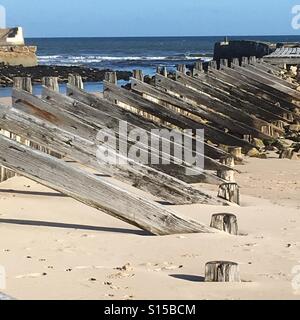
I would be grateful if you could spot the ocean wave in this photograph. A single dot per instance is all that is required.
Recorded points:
(88, 59)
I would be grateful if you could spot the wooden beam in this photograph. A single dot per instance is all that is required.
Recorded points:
(256, 69)
(113, 93)
(79, 113)
(84, 151)
(94, 191)
(212, 133)
(274, 87)
(241, 121)
(119, 113)
(76, 80)
(267, 100)
(23, 83)
(51, 83)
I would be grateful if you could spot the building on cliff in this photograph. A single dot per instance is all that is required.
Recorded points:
(13, 50)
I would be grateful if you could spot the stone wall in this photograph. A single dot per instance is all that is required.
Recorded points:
(243, 48)
(18, 55)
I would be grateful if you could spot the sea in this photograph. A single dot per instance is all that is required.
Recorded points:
(144, 53)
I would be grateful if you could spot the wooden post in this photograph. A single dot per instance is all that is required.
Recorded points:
(76, 81)
(235, 62)
(225, 222)
(164, 72)
(111, 77)
(199, 66)
(222, 271)
(289, 153)
(51, 83)
(138, 74)
(245, 61)
(252, 60)
(213, 64)
(236, 152)
(230, 192)
(23, 83)
(181, 68)
(227, 175)
(224, 62)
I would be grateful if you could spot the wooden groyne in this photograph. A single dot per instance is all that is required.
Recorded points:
(244, 108)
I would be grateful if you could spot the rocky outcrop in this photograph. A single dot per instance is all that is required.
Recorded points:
(7, 73)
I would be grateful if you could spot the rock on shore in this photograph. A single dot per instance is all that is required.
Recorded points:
(7, 73)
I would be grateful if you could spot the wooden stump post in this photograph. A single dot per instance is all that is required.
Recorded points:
(23, 83)
(235, 62)
(227, 175)
(199, 66)
(245, 61)
(181, 68)
(162, 71)
(213, 64)
(224, 62)
(138, 74)
(76, 81)
(236, 152)
(51, 83)
(111, 77)
(230, 192)
(289, 153)
(222, 271)
(252, 60)
(225, 222)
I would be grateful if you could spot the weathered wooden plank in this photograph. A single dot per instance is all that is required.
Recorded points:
(23, 83)
(239, 98)
(66, 113)
(168, 99)
(122, 114)
(215, 135)
(194, 109)
(94, 191)
(85, 151)
(229, 107)
(272, 77)
(76, 81)
(266, 100)
(51, 83)
(272, 86)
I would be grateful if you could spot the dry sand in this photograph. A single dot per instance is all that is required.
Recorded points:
(53, 247)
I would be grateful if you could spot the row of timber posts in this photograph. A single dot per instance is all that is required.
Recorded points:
(229, 191)
(23, 83)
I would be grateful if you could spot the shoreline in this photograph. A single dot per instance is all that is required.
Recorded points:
(7, 73)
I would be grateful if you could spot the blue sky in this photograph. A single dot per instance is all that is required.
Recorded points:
(104, 18)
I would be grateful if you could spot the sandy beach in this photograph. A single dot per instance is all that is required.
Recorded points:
(53, 247)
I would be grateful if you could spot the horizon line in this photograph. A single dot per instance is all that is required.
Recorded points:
(188, 36)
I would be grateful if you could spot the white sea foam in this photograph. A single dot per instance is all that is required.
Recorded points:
(48, 59)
